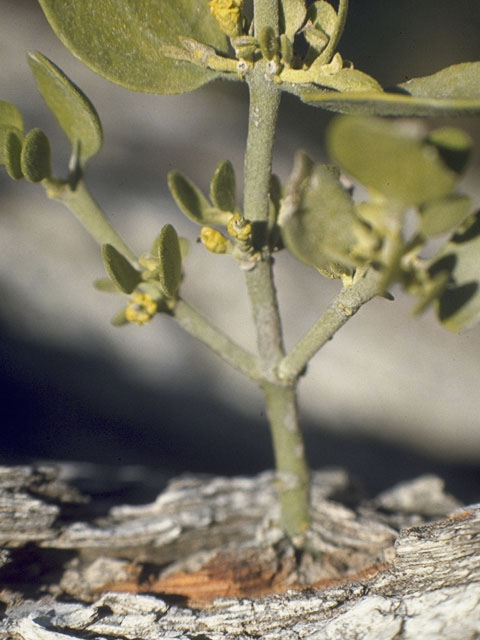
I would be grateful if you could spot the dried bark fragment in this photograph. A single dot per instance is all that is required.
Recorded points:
(420, 582)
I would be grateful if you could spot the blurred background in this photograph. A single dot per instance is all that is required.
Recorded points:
(390, 397)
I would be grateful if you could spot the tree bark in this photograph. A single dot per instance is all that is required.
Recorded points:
(208, 560)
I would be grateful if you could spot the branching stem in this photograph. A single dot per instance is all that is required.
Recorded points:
(201, 328)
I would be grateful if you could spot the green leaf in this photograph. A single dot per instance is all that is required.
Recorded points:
(167, 250)
(35, 156)
(316, 38)
(389, 160)
(345, 80)
(458, 307)
(223, 188)
(459, 81)
(13, 154)
(105, 285)
(323, 16)
(321, 25)
(184, 247)
(125, 41)
(11, 121)
(317, 218)
(444, 214)
(450, 92)
(292, 16)
(122, 273)
(268, 42)
(73, 110)
(191, 201)
(10, 116)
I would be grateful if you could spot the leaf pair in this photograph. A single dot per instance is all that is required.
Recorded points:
(191, 201)
(166, 255)
(22, 155)
(29, 155)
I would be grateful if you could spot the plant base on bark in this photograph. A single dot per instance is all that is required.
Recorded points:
(207, 559)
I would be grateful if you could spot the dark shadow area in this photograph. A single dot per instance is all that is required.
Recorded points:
(30, 569)
(64, 405)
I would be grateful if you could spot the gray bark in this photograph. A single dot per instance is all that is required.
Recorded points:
(405, 565)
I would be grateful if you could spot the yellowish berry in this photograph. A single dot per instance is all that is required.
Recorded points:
(229, 15)
(141, 308)
(213, 240)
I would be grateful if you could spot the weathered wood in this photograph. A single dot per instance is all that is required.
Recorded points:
(405, 565)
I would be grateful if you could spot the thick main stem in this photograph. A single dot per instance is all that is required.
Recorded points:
(293, 476)
(264, 103)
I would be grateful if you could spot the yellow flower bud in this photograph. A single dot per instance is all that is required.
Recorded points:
(213, 240)
(141, 308)
(229, 15)
(239, 228)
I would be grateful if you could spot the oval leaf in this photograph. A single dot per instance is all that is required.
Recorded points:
(167, 250)
(35, 156)
(324, 16)
(317, 219)
(223, 188)
(123, 41)
(11, 121)
(191, 201)
(122, 273)
(450, 92)
(73, 110)
(389, 160)
(443, 215)
(10, 116)
(105, 285)
(13, 154)
(184, 247)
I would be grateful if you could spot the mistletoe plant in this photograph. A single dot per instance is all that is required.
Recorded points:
(274, 46)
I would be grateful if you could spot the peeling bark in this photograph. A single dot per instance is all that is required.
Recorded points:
(207, 560)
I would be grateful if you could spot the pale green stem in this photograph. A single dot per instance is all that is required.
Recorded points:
(293, 476)
(81, 203)
(264, 103)
(87, 211)
(343, 307)
(201, 328)
(292, 471)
